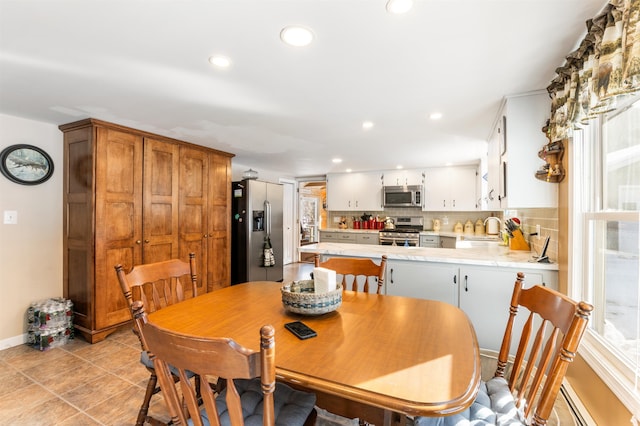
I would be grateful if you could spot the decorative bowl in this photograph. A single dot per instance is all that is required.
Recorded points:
(299, 297)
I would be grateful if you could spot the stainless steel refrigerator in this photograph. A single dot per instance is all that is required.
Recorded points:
(256, 226)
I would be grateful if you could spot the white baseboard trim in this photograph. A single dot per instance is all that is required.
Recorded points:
(13, 341)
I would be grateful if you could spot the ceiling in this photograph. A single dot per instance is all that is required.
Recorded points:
(291, 110)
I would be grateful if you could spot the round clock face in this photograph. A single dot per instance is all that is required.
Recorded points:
(25, 164)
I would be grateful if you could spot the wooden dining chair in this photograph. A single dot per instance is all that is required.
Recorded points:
(524, 388)
(251, 394)
(356, 267)
(157, 285)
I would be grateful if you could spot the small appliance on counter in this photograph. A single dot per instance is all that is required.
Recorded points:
(458, 228)
(492, 225)
(436, 225)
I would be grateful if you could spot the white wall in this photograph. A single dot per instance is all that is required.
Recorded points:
(31, 251)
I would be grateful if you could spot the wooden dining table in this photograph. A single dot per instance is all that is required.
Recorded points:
(377, 357)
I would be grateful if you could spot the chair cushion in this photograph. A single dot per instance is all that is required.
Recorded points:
(494, 405)
(291, 407)
(144, 360)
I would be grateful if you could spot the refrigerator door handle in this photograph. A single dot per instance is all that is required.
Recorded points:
(267, 219)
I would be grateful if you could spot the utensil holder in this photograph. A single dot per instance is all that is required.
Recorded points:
(517, 241)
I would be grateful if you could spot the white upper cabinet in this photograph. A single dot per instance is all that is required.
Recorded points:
(403, 177)
(518, 137)
(451, 189)
(354, 191)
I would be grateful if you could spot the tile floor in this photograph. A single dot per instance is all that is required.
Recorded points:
(80, 383)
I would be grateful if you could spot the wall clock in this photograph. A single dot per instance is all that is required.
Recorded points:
(25, 164)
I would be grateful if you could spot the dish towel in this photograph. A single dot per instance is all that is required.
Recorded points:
(269, 258)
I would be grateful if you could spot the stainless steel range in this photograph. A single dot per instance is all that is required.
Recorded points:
(406, 232)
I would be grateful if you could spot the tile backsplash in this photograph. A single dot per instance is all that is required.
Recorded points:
(547, 218)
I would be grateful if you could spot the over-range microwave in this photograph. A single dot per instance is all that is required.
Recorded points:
(403, 196)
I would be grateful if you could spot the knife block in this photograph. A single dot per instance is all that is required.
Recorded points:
(517, 241)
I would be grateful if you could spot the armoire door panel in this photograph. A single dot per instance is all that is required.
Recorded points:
(118, 223)
(113, 307)
(220, 275)
(160, 200)
(193, 215)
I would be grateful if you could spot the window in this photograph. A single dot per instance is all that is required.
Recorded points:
(605, 239)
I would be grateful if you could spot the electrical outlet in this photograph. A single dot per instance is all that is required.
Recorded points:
(10, 217)
(537, 232)
(336, 219)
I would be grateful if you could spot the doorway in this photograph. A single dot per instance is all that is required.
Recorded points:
(312, 216)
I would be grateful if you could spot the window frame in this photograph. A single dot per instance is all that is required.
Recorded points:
(585, 206)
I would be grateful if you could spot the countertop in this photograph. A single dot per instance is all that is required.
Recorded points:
(491, 254)
(425, 232)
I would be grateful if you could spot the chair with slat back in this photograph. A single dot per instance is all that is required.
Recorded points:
(251, 395)
(524, 389)
(157, 285)
(356, 267)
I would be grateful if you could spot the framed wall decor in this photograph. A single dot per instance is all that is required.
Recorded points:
(25, 164)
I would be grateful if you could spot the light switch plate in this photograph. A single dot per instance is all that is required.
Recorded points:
(10, 217)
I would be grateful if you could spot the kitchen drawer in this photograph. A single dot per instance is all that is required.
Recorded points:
(337, 237)
(368, 238)
(430, 241)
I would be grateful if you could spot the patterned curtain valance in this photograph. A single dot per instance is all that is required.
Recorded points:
(604, 68)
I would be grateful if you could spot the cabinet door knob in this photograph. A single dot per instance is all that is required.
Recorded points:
(138, 242)
(146, 241)
(205, 236)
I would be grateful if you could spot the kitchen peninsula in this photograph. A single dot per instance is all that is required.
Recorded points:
(479, 280)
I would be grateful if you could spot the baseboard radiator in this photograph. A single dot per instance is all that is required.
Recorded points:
(578, 410)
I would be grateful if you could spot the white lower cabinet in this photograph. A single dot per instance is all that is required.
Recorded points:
(482, 292)
(485, 296)
(423, 280)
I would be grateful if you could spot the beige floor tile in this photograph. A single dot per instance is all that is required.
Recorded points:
(51, 412)
(133, 372)
(21, 399)
(65, 362)
(69, 380)
(96, 391)
(24, 357)
(115, 359)
(80, 419)
(98, 350)
(13, 381)
(122, 408)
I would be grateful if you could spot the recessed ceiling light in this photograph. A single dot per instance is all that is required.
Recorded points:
(220, 61)
(348, 170)
(399, 6)
(296, 36)
(366, 125)
(337, 160)
(399, 167)
(436, 116)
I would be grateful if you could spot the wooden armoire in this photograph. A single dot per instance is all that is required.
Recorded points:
(132, 197)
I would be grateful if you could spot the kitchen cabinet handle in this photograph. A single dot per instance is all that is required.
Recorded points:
(146, 241)
(391, 275)
(454, 203)
(138, 242)
(466, 283)
(455, 279)
(491, 194)
(444, 203)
